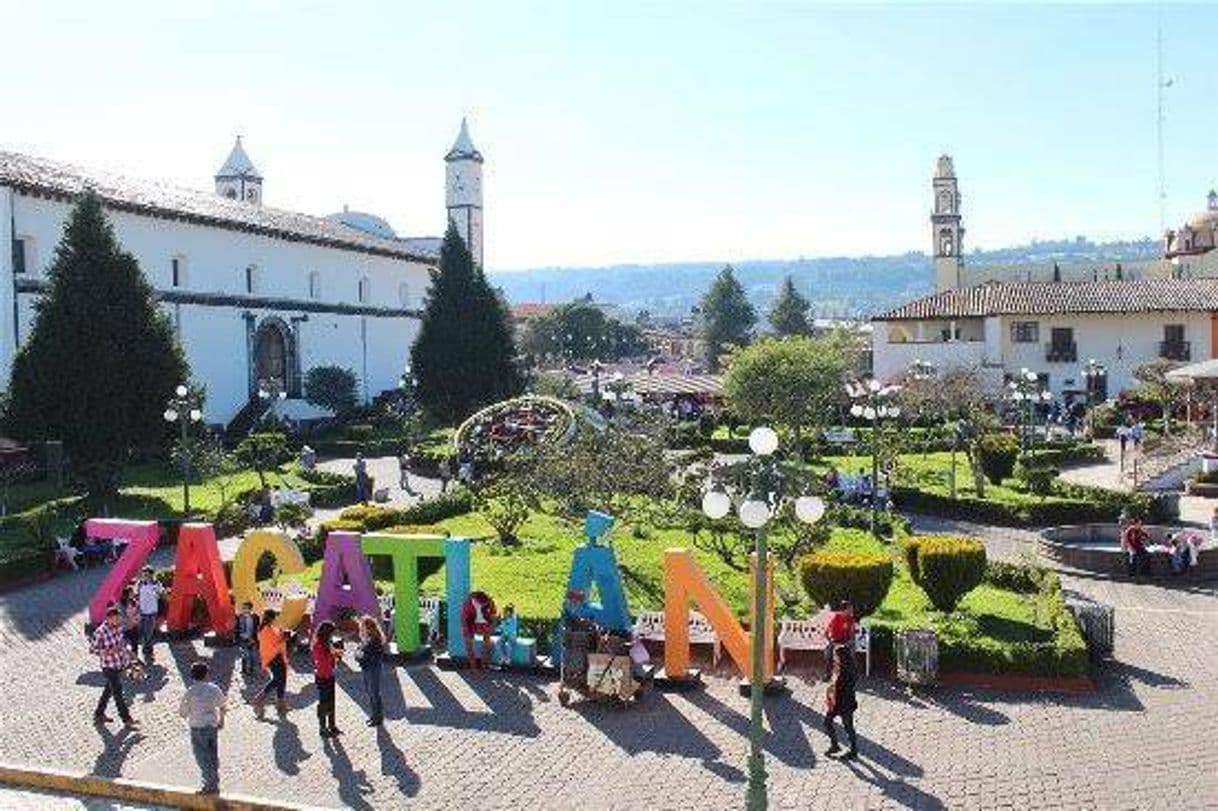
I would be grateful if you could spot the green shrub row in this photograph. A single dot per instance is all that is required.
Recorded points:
(1070, 454)
(1074, 508)
(887, 524)
(1018, 577)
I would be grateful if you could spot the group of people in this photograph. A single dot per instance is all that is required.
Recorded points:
(1182, 548)
(132, 622)
(859, 489)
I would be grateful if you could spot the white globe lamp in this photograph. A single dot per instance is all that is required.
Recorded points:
(716, 504)
(170, 415)
(754, 513)
(180, 390)
(763, 441)
(809, 509)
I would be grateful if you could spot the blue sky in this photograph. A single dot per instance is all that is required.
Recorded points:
(622, 131)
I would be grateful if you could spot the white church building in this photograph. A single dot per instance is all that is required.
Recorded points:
(258, 295)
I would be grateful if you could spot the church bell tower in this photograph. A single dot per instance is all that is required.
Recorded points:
(947, 234)
(463, 191)
(238, 179)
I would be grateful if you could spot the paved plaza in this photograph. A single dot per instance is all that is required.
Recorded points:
(1143, 740)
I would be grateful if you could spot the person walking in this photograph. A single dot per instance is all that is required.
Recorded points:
(247, 639)
(841, 702)
(445, 471)
(273, 650)
(370, 656)
(203, 708)
(110, 647)
(148, 594)
(404, 463)
(327, 652)
(363, 492)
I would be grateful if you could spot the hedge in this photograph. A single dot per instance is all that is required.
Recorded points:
(1079, 509)
(862, 578)
(997, 454)
(948, 568)
(887, 524)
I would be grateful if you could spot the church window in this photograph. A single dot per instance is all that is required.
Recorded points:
(314, 285)
(404, 294)
(251, 279)
(177, 267)
(947, 245)
(231, 194)
(363, 290)
(1025, 332)
(18, 256)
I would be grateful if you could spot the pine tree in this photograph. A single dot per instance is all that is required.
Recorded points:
(789, 316)
(727, 316)
(102, 359)
(465, 356)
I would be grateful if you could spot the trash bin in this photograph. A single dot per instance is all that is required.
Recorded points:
(917, 653)
(1097, 622)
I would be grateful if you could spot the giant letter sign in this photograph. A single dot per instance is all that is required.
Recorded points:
(405, 550)
(198, 572)
(245, 567)
(683, 581)
(598, 564)
(141, 537)
(345, 562)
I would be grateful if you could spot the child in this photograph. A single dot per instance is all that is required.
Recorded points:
(247, 638)
(370, 656)
(327, 652)
(477, 619)
(509, 629)
(203, 707)
(273, 650)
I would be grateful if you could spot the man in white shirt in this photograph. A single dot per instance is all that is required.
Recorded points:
(203, 708)
(148, 594)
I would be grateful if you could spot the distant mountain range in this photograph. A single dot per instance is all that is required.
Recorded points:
(837, 286)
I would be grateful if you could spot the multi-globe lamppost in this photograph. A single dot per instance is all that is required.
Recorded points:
(1026, 392)
(872, 402)
(183, 408)
(761, 488)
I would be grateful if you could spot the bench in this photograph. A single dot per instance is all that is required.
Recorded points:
(809, 635)
(650, 626)
(281, 497)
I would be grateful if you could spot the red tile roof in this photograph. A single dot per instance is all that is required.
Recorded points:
(1062, 298)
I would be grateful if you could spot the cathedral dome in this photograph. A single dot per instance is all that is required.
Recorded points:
(363, 221)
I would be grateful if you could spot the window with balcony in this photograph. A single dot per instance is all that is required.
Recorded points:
(1174, 347)
(1025, 332)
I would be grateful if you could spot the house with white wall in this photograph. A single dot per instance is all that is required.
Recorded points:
(258, 295)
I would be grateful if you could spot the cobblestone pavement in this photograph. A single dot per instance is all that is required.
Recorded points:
(1144, 740)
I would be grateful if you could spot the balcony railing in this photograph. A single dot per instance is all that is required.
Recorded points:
(1176, 350)
(1061, 352)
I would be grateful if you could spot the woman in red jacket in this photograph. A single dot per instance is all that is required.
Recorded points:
(327, 652)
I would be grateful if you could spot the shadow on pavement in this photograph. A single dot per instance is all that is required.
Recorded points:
(511, 710)
(393, 763)
(116, 746)
(353, 785)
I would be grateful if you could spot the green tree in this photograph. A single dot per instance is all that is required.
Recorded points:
(579, 330)
(789, 315)
(795, 383)
(465, 356)
(1156, 386)
(727, 316)
(101, 360)
(331, 387)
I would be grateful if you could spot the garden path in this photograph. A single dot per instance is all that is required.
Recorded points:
(489, 741)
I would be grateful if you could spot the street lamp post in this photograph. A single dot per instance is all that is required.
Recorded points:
(871, 403)
(762, 493)
(183, 408)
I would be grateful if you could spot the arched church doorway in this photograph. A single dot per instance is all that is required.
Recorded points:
(273, 357)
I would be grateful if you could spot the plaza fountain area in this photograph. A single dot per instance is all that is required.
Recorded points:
(1097, 548)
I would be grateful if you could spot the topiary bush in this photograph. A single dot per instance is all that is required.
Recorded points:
(997, 454)
(949, 568)
(862, 578)
(910, 550)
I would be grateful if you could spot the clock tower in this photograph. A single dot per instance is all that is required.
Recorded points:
(463, 191)
(947, 233)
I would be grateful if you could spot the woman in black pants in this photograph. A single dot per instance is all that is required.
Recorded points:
(841, 701)
(327, 651)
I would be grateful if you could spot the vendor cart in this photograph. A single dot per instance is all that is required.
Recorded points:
(597, 665)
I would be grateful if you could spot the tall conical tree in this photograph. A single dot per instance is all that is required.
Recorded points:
(727, 316)
(789, 315)
(465, 356)
(102, 359)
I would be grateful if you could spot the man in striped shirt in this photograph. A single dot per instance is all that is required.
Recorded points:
(110, 646)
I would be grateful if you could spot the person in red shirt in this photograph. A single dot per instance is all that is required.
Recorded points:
(477, 618)
(1134, 540)
(327, 652)
(841, 624)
